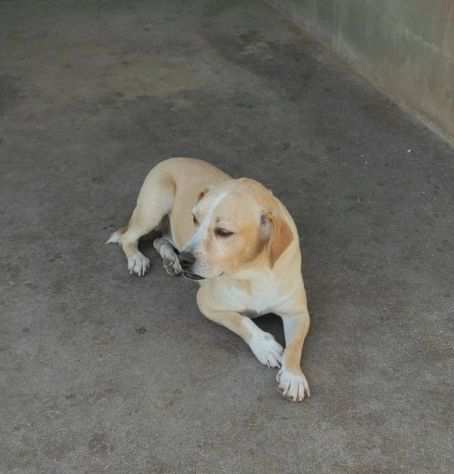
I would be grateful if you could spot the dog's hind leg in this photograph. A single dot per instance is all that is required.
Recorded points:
(169, 256)
(154, 202)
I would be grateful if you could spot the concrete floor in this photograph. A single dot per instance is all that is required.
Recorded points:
(103, 372)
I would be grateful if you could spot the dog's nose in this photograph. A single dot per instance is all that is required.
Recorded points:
(186, 260)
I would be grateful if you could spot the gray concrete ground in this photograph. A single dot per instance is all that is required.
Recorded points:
(103, 372)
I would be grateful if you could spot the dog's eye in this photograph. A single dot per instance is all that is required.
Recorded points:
(194, 219)
(220, 232)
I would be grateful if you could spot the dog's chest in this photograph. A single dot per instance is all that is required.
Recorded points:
(253, 300)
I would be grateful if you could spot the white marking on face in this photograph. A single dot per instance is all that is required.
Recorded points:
(203, 227)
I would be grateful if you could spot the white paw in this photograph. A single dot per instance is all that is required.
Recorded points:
(267, 350)
(293, 385)
(172, 266)
(138, 264)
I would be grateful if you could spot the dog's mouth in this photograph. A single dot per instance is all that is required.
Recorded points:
(192, 276)
(187, 274)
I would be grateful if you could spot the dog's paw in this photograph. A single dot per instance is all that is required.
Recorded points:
(267, 350)
(138, 264)
(293, 385)
(172, 266)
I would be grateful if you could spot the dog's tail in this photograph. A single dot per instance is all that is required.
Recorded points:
(116, 236)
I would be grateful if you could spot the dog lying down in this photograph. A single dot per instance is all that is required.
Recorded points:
(241, 245)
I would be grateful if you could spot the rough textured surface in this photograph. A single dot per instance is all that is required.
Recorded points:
(103, 372)
(405, 48)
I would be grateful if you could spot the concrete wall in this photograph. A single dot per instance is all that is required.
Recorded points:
(404, 47)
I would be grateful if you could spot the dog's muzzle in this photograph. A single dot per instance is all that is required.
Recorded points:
(187, 261)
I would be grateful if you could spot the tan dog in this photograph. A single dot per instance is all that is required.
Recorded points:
(242, 245)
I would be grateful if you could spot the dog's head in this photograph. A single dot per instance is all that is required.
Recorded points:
(238, 226)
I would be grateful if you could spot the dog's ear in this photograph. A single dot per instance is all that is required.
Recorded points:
(277, 232)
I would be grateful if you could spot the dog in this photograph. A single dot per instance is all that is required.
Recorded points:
(241, 245)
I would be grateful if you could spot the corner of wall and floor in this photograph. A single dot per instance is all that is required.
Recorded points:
(405, 49)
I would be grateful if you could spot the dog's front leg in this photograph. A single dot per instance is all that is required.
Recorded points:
(291, 380)
(267, 350)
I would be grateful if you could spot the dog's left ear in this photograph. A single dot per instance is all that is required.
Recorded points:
(276, 230)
